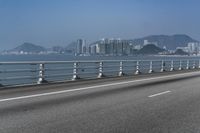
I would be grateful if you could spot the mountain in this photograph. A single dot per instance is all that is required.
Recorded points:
(29, 48)
(150, 49)
(71, 47)
(180, 52)
(171, 42)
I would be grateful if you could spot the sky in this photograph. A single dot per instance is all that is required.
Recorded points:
(60, 22)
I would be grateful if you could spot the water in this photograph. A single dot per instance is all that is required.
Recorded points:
(28, 73)
(65, 57)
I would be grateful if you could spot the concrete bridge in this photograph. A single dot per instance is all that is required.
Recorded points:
(147, 102)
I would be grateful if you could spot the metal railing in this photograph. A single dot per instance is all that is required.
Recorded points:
(18, 73)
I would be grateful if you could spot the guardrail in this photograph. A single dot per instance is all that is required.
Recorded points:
(18, 73)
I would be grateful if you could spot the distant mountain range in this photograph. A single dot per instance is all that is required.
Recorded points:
(171, 42)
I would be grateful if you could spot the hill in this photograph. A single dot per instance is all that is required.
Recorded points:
(150, 49)
(71, 47)
(29, 48)
(180, 52)
(171, 42)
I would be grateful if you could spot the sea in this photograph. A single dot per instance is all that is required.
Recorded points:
(67, 57)
(23, 74)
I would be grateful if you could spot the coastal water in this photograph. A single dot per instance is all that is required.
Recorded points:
(65, 57)
(14, 74)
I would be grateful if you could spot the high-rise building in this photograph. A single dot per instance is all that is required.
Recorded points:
(93, 49)
(101, 48)
(81, 47)
(126, 47)
(116, 47)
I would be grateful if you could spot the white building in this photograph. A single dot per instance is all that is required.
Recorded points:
(138, 47)
(194, 47)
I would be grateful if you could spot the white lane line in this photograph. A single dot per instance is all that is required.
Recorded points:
(97, 86)
(158, 94)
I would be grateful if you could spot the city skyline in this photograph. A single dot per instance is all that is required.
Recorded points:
(117, 47)
(50, 22)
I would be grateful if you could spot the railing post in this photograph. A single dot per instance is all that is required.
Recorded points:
(1, 85)
(100, 70)
(137, 68)
(41, 74)
(121, 68)
(172, 66)
(199, 64)
(151, 67)
(194, 64)
(187, 66)
(75, 71)
(162, 66)
(180, 65)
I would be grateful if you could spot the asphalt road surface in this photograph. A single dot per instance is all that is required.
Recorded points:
(156, 103)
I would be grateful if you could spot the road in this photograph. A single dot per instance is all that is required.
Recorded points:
(155, 103)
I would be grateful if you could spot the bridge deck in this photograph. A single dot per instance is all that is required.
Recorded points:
(159, 102)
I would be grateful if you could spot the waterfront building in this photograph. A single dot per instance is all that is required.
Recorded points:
(137, 47)
(113, 47)
(93, 49)
(81, 47)
(101, 48)
(193, 47)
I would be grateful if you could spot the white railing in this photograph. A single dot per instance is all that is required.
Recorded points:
(14, 73)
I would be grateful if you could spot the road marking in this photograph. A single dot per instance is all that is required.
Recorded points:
(158, 94)
(97, 86)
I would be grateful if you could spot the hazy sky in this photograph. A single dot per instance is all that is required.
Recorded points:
(59, 22)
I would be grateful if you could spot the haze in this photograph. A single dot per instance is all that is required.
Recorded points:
(59, 22)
